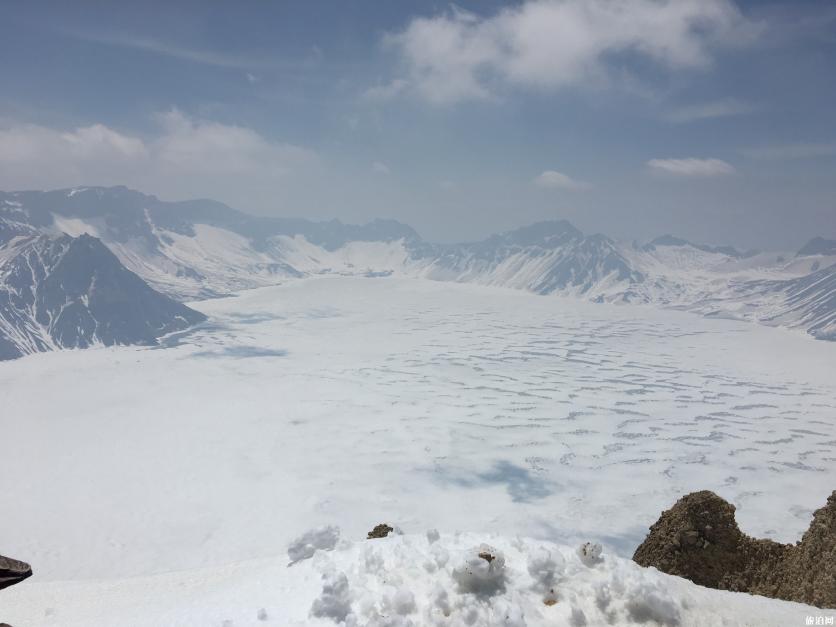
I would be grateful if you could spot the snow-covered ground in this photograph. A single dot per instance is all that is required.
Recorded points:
(354, 401)
(404, 581)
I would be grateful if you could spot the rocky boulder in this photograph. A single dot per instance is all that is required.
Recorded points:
(698, 539)
(380, 531)
(13, 571)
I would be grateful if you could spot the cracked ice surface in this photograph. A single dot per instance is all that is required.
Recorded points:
(350, 401)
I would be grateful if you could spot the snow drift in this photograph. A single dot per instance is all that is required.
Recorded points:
(444, 580)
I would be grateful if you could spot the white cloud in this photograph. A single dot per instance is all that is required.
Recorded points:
(551, 179)
(36, 156)
(378, 167)
(550, 44)
(793, 151)
(386, 91)
(692, 166)
(204, 146)
(185, 157)
(710, 110)
(30, 145)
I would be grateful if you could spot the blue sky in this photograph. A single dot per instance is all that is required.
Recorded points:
(709, 119)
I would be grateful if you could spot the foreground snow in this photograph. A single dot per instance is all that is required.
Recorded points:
(441, 580)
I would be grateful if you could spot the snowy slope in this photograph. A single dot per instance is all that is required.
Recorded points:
(808, 301)
(70, 292)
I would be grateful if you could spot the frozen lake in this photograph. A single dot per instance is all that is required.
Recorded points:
(355, 401)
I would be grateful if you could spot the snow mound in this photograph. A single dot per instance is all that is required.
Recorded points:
(335, 601)
(481, 571)
(590, 553)
(401, 581)
(454, 581)
(321, 538)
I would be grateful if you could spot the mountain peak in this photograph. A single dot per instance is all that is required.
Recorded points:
(818, 246)
(671, 240)
(548, 234)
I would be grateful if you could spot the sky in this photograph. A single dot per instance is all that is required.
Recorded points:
(712, 120)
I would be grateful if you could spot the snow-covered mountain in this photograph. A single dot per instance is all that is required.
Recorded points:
(818, 246)
(545, 258)
(72, 292)
(807, 302)
(200, 249)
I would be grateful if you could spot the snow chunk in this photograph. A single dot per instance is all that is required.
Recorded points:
(577, 618)
(545, 567)
(335, 600)
(440, 555)
(433, 536)
(439, 602)
(401, 602)
(482, 572)
(634, 597)
(590, 553)
(507, 614)
(319, 539)
(646, 604)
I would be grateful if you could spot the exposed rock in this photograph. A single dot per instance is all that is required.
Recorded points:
(380, 531)
(488, 557)
(13, 571)
(698, 539)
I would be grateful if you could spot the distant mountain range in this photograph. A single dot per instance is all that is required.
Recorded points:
(60, 286)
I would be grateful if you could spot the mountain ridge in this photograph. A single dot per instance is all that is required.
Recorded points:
(72, 292)
(201, 249)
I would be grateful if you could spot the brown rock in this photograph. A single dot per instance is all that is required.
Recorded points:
(380, 531)
(13, 571)
(698, 539)
(488, 557)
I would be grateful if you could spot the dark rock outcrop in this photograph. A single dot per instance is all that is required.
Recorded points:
(13, 571)
(698, 539)
(380, 531)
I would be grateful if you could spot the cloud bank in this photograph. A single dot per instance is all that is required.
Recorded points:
(378, 167)
(710, 110)
(552, 179)
(548, 44)
(692, 167)
(186, 156)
